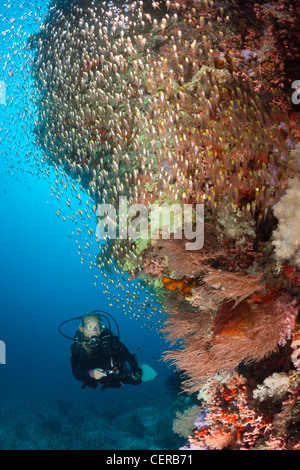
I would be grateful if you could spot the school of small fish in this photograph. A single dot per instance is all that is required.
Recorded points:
(120, 106)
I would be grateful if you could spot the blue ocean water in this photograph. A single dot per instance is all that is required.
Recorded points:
(44, 281)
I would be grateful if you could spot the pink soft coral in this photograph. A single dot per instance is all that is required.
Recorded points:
(219, 437)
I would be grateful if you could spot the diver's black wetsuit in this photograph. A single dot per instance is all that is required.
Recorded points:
(109, 354)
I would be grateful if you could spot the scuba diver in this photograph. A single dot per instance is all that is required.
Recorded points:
(98, 356)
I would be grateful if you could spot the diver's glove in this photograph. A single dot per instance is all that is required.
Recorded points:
(137, 373)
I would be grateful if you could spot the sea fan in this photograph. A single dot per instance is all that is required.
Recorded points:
(227, 286)
(189, 263)
(246, 333)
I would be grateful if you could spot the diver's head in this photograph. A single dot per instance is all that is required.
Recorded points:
(90, 326)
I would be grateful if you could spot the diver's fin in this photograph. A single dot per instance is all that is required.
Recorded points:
(147, 373)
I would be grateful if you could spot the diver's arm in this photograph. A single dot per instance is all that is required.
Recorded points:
(80, 368)
(124, 353)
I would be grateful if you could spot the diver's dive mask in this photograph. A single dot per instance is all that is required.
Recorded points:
(93, 326)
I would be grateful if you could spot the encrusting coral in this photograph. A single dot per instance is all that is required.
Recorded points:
(184, 285)
(238, 417)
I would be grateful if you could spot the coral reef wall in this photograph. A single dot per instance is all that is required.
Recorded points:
(190, 102)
